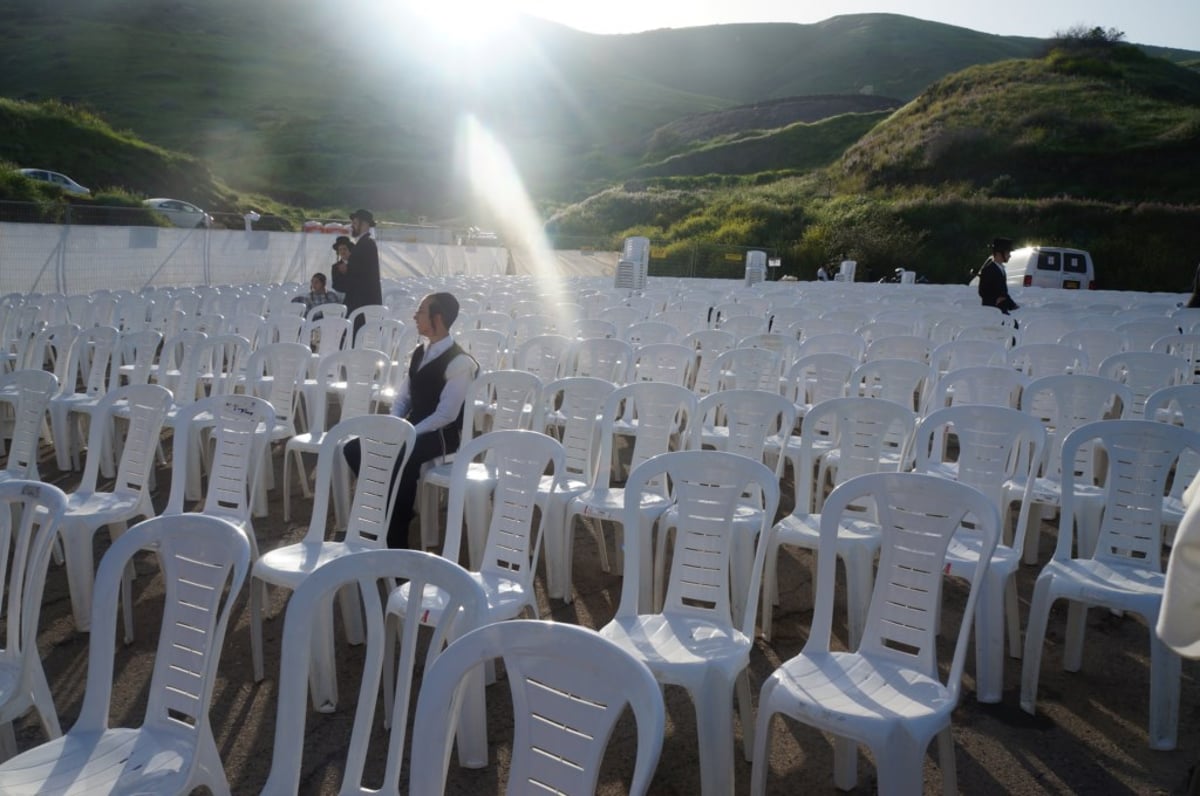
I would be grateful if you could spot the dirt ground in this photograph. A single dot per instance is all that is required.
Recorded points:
(1089, 735)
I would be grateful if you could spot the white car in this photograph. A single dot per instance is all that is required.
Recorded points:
(54, 178)
(179, 213)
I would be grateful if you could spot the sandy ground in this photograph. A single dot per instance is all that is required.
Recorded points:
(1089, 735)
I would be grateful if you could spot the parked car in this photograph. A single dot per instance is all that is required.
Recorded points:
(180, 213)
(54, 178)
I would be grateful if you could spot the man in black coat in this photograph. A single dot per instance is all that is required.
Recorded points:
(993, 281)
(358, 279)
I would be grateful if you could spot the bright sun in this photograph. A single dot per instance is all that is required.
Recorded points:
(465, 22)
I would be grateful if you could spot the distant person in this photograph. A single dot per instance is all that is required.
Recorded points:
(358, 278)
(431, 398)
(993, 281)
(318, 294)
(822, 274)
(1194, 301)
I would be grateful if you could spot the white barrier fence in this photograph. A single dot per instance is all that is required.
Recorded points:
(49, 258)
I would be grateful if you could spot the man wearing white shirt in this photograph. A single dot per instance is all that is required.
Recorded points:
(431, 398)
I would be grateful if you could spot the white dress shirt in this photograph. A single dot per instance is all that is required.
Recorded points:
(459, 374)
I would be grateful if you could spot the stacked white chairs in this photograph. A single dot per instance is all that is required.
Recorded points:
(1143, 372)
(886, 693)
(868, 436)
(367, 573)
(386, 444)
(204, 564)
(89, 508)
(996, 448)
(496, 400)
(664, 413)
(30, 512)
(1117, 564)
(570, 686)
(695, 641)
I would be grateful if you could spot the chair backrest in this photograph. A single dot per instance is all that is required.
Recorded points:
(326, 334)
(901, 346)
(569, 687)
(979, 384)
(543, 355)
(601, 357)
(362, 369)
(663, 412)
(204, 562)
(91, 361)
(1184, 346)
(147, 406)
(958, 354)
(1141, 456)
(918, 515)
(1063, 404)
(902, 381)
(1047, 359)
(368, 572)
(669, 362)
(649, 332)
(223, 362)
(846, 343)
(486, 346)
(748, 369)
(386, 443)
(518, 458)
(274, 372)
(241, 430)
(579, 401)
(813, 378)
(706, 488)
(136, 353)
(751, 419)
(33, 390)
(30, 512)
(708, 345)
(506, 398)
(1140, 334)
(1144, 372)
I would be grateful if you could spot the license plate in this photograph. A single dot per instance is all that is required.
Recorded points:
(1071, 284)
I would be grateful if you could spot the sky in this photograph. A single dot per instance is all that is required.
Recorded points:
(1166, 23)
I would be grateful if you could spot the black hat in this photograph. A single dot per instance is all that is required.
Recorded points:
(1002, 244)
(343, 240)
(365, 215)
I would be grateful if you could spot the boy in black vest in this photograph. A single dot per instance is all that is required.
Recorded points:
(431, 398)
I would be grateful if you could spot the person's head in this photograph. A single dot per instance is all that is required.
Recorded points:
(317, 283)
(1001, 249)
(360, 222)
(343, 246)
(435, 315)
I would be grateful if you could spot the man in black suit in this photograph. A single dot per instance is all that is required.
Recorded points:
(358, 278)
(993, 280)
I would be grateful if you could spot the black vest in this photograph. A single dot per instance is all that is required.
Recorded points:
(425, 390)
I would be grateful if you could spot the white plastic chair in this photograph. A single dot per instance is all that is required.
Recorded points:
(367, 573)
(868, 436)
(1096, 343)
(1047, 359)
(664, 413)
(1143, 372)
(886, 693)
(30, 392)
(695, 641)
(386, 444)
(902, 346)
(90, 363)
(543, 356)
(667, 362)
(995, 449)
(645, 333)
(1180, 406)
(902, 381)
(29, 515)
(496, 400)
(747, 369)
(89, 509)
(600, 357)
(1141, 333)
(958, 354)
(978, 384)
(708, 345)
(1119, 564)
(1184, 346)
(204, 563)
(569, 687)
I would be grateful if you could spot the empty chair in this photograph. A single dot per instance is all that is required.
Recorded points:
(1117, 565)
(30, 392)
(1179, 405)
(667, 362)
(748, 369)
(846, 343)
(1184, 346)
(995, 448)
(600, 357)
(486, 346)
(29, 516)
(1143, 372)
(695, 641)
(1047, 359)
(204, 563)
(902, 346)
(958, 354)
(1140, 334)
(814, 378)
(1096, 343)
(91, 360)
(902, 381)
(744, 325)
(981, 384)
(650, 332)
(543, 356)
(365, 573)
(386, 443)
(569, 686)
(886, 694)
(708, 345)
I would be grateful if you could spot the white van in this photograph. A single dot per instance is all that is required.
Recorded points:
(1050, 266)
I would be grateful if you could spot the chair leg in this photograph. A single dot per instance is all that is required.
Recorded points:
(989, 639)
(947, 762)
(900, 766)
(746, 713)
(1035, 636)
(714, 726)
(1012, 617)
(1165, 673)
(845, 764)
(322, 675)
(762, 740)
(256, 631)
(1073, 640)
(8, 741)
(859, 564)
